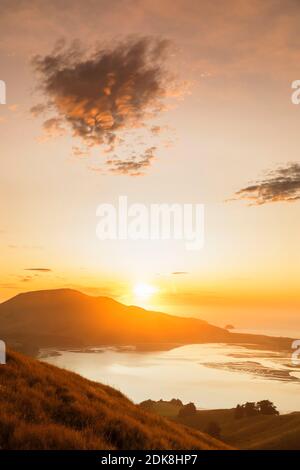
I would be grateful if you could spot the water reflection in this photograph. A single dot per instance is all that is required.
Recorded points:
(212, 376)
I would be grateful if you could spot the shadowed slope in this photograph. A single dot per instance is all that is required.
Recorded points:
(44, 407)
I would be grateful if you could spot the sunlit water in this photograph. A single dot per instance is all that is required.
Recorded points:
(211, 376)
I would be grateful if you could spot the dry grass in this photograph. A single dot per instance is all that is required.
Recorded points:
(44, 407)
(270, 432)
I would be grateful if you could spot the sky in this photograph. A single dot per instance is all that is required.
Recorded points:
(164, 102)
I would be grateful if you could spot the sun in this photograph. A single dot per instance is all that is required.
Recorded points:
(144, 291)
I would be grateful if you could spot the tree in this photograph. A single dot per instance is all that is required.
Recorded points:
(187, 410)
(250, 409)
(266, 407)
(239, 412)
(213, 429)
(176, 402)
(147, 404)
(263, 407)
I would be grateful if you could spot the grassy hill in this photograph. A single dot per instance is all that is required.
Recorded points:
(44, 407)
(256, 432)
(67, 318)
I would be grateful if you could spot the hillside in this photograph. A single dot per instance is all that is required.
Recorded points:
(256, 432)
(44, 407)
(64, 317)
(68, 318)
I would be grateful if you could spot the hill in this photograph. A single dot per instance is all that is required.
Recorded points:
(64, 317)
(44, 407)
(256, 432)
(68, 318)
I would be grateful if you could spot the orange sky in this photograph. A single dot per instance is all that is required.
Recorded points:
(232, 121)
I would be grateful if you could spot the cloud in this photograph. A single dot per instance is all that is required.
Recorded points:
(133, 166)
(38, 109)
(224, 39)
(9, 286)
(102, 95)
(26, 279)
(41, 270)
(156, 130)
(53, 127)
(179, 273)
(281, 185)
(25, 247)
(79, 152)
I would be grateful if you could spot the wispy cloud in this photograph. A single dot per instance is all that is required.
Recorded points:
(26, 279)
(135, 165)
(280, 185)
(40, 270)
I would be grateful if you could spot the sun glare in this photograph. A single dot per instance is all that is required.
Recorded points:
(144, 291)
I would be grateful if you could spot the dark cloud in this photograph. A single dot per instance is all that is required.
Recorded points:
(281, 185)
(41, 270)
(102, 95)
(134, 166)
(179, 273)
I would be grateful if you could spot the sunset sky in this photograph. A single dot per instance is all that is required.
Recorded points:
(204, 115)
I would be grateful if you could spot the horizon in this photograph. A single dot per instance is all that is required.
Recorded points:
(230, 314)
(292, 333)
